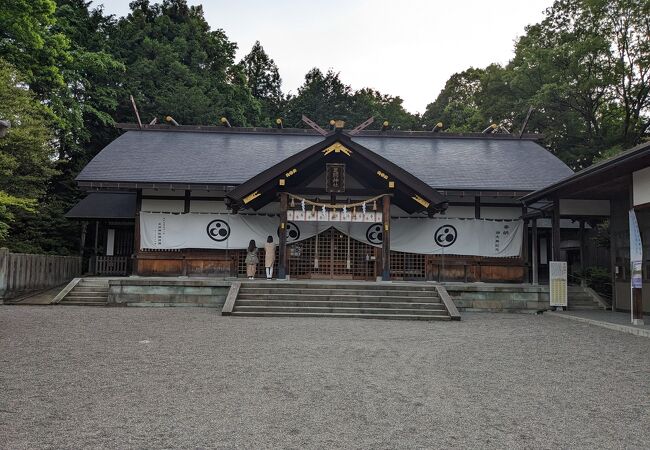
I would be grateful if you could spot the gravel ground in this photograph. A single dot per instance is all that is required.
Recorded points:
(73, 377)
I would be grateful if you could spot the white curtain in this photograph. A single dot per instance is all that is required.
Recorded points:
(498, 238)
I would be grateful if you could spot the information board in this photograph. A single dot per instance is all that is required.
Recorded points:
(558, 283)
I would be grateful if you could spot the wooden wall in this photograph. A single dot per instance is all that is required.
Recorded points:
(24, 272)
(186, 263)
(223, 263)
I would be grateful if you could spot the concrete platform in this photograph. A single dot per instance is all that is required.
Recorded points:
(619, 321)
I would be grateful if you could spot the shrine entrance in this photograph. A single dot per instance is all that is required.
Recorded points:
(313, 186)
(333, 254)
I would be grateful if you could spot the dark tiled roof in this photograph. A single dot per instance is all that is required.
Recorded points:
(104, 205)
(191, 157)
(232, 158)
(472, 163)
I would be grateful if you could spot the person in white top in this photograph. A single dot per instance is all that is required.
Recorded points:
(269, 257)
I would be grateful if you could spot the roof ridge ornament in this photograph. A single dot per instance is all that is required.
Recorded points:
(313, 125)
(337, 147)
(362, 125)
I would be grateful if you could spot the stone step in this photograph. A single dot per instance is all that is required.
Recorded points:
(334, 297)
(89, 292)
(341, 315)
(339, 286)
(70, 297)
(345, 304)
(81, 303)
(323, 291)
(584, 307)
(339, 310)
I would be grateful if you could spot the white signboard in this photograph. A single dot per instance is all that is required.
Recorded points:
(413, 235)
(558, 283)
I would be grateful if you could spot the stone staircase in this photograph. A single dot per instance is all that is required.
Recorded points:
(86, 292)
(363, 300)
(580, 298)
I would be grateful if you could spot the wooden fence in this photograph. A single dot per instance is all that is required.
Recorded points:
(23, 273)
(112, 265)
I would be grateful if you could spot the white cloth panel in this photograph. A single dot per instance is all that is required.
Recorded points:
(417, 235)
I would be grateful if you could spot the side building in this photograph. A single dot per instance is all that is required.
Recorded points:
(615, 190)
(186, 200)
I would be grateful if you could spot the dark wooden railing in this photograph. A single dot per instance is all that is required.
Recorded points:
(112, 265)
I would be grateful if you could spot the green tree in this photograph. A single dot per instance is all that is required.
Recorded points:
(322, 97)
(25, 164)
(368, 102)
(176, 65)
(93, 83)
(263, 79)
(457, 106)
(29, 43)
(584, 69)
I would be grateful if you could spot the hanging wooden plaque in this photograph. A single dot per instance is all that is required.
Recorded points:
(335, 178)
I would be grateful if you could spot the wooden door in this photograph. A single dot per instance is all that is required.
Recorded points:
(332, 255)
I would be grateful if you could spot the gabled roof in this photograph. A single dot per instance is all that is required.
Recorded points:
(198, 155)
(104, 205)
(409, 192)
(602, 173)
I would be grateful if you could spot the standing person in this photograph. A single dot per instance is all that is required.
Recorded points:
(269, 257)
(251, 260)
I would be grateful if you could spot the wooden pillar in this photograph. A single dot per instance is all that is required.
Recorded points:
(93, 268)
(187, 200)
(612, 254)
(555, 248)
(82, 239)
(282, 256)
(136, 232)
(477, 207)
(534, 252)
(385, 243)
(524, 250)
(581, 237)
(524, 247)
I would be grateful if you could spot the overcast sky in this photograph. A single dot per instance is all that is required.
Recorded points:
(405, 48)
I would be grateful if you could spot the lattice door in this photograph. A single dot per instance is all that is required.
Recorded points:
(331, 254)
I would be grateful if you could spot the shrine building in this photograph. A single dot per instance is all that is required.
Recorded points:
(340, 203)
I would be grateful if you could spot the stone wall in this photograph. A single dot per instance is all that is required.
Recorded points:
(168, 292)
(498, 298)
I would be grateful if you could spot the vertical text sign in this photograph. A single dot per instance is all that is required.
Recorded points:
(558, 283)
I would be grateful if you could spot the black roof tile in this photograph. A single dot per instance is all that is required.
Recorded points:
(231, 158)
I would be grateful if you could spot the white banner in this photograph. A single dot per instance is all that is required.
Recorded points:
(636, 252)
(411, 235)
